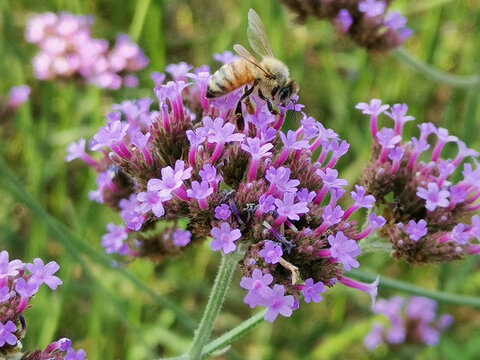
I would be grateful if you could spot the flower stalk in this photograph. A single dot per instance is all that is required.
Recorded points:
(215, 302)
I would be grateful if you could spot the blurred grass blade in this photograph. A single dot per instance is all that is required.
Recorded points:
(335, 345)
(74, 244)
(440, 296)
(139, 16)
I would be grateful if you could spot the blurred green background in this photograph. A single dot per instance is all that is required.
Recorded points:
(139, 311)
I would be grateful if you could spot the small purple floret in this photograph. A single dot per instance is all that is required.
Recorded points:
(311, 291)
(224, 238)
(181, 237)
(271, 252)
(417, 230)
(344, 250)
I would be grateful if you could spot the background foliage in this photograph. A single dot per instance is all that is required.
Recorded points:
(123, 312)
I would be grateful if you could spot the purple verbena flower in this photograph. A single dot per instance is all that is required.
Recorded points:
(181, 237)
(178, 71)
(258, 288)
(9, 268)
(152, 199)
(398, 112)
(330, 178)
(5, 292)
(372, 8)
(396, 155)
(64, 344)
(344, 20)
(371, 289)
(464, 152)
(311, 291)
(255, 149)
(113, 241)
(113, 133)
(375, 337)
(76, 150)
(287, 209)
(377, 221)
(417, 230)
(72, 355)
(18, 96)
(461, 235)
(43, 274)
(26, 289)
(220, 132)
(209, 174)
(291, 142)
(344, 250)
(200, 191)
(388, 140)
(278, 303)
(331, 215)
(360, 199)
(7, 331)
(443, 138)
(266, 203)
(375, 107)
(222, 212)
(395, 21)
(271, 252)
(280, 180)
(172, 179)
(303, 195)
(226, 57)
(434, 196)
(471, 176)
(224, 238)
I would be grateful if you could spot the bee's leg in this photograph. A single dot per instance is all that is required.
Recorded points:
(238, 109)
(249, 106)
(269, 103)
(246, 94)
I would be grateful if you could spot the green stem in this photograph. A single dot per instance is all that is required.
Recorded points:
(417, 290)
(217, 296)
(226, 339)
(432, 73)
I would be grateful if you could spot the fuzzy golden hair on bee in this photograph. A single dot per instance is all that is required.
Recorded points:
(269, 76)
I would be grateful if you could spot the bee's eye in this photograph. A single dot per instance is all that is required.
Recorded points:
(285, 93)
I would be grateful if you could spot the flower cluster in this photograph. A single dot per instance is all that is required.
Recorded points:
(367, 22)
(411, 321)
(258, 190)
(422, 200)
(19, 282)
(67, 49)
(17, 97)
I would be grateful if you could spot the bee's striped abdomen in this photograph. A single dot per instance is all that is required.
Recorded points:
(230, 77)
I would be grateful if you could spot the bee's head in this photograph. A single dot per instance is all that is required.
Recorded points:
(286, 93)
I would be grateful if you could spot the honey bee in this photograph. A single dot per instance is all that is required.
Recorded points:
(269, 76)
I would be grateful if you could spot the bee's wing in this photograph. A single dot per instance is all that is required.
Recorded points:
(244, 53)
(257, 35)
